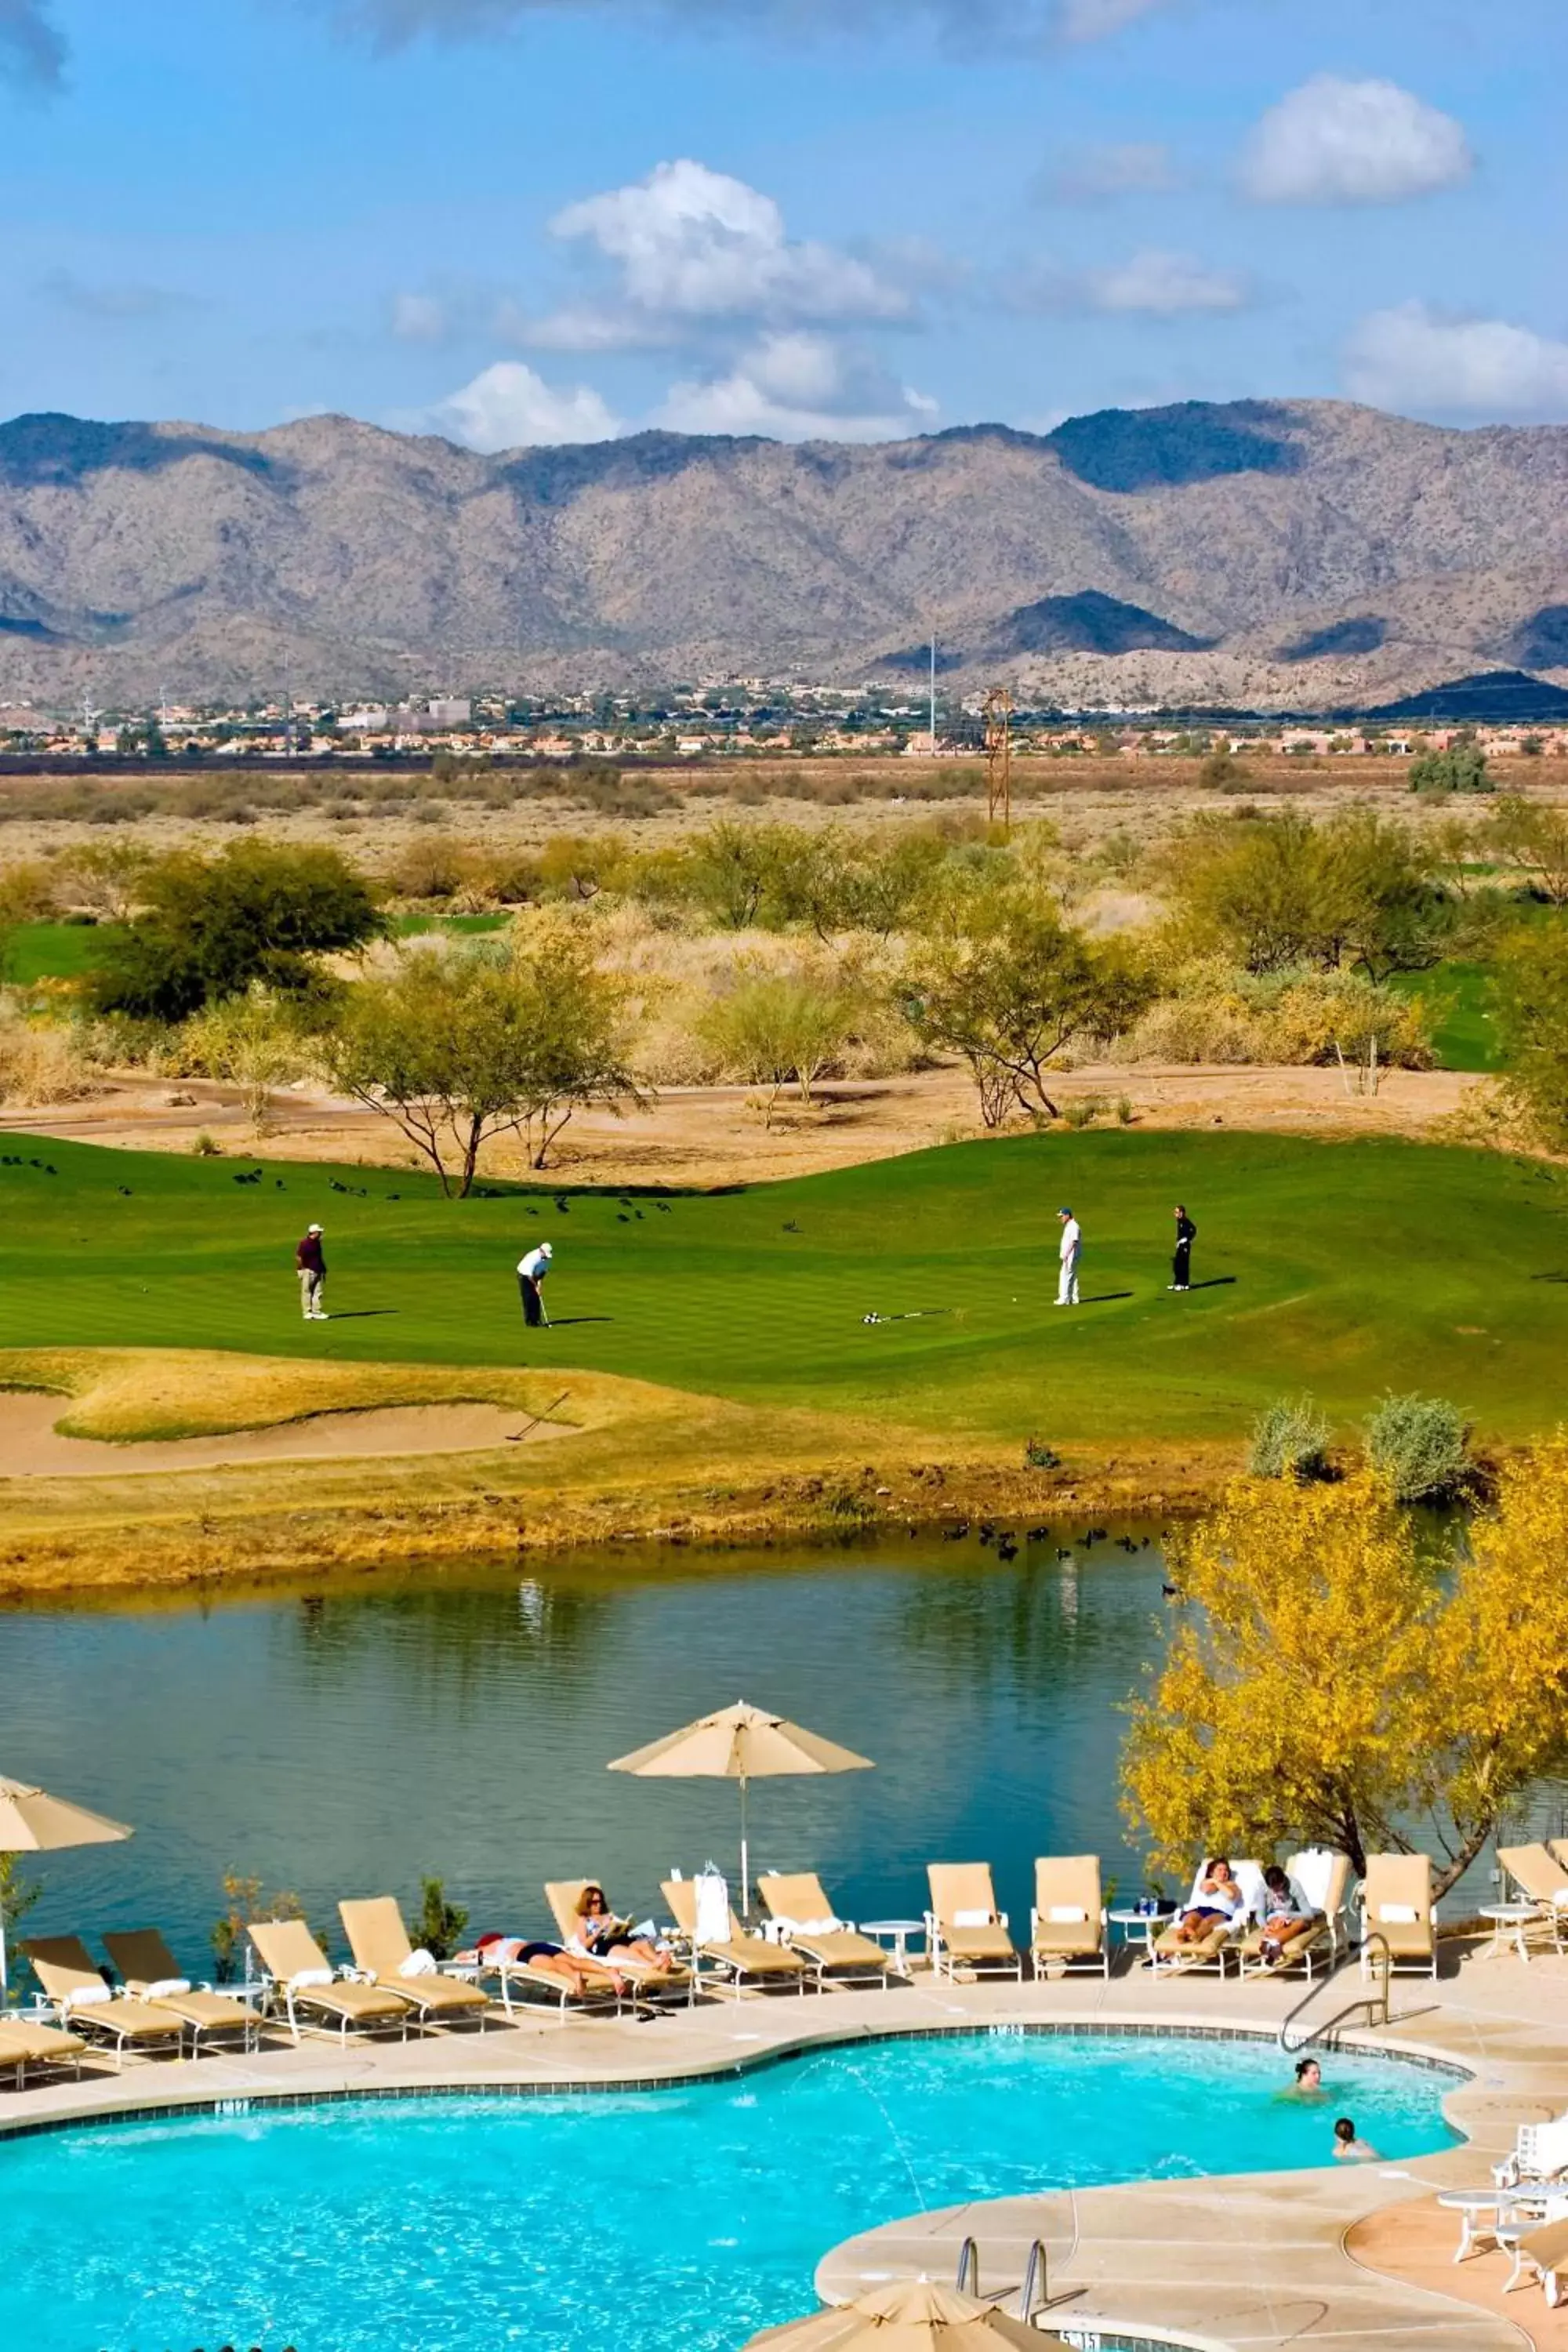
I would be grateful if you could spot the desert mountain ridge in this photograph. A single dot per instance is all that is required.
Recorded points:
(1270, 554)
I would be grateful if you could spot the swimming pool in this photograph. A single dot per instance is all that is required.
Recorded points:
(677, 2220)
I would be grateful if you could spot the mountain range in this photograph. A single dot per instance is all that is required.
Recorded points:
(1260, 554)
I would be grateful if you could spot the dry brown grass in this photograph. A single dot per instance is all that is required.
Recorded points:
(645, 1464)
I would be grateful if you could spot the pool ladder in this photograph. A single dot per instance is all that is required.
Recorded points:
(1033, 2296)
(1376, 2004)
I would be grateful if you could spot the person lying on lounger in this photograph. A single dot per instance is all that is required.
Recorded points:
(583, 1975)
(1285, 1913)
(1216, 1897)
(600, 1936)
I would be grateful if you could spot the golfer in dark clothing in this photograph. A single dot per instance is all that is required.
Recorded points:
(530, 1273)
(311, 1265)
(1182, 1264)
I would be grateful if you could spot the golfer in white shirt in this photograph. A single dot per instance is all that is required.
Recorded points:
(530, 1273)
(1072, 1245)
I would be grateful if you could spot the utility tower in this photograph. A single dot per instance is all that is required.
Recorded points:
(999, 756)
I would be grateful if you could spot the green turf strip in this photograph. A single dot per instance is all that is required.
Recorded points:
(1350, 1268)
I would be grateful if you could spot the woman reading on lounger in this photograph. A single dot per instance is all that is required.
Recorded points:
(600, 1936)
(1216, 1897)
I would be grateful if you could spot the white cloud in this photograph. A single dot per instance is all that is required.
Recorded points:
(1093, 174)
(1165, 286)
(1353, 142)
(688, 247)
(508, 407)
(420, 319)
(1412, 357)
(800, 386)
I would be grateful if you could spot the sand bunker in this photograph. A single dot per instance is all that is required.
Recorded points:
(32, 1447)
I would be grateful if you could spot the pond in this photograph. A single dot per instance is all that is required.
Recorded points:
(344, 1740)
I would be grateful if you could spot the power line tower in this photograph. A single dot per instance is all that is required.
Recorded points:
(999, 756)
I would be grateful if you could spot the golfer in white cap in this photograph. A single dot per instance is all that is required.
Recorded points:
(1072, 1245)
(530, 1273)
(311, 1265)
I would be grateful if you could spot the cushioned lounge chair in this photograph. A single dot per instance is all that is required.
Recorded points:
(653, 1980)
(84, 2003)
(1397, 1905)
(1543, 2249)
(1542, 1880)
(1540, 2154)
(1315, 1940)
(606, 1992)
(741, 1959)
(300, 1972)
(379, 1942)
(1067, 1925)
(41, 2047)
(151, 1972)
(809, 1924)
(1169, 1954)
(963, 1927)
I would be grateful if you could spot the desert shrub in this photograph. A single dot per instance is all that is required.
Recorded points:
(42, 1061)
(772, 1028)
(430, 868)
(1420, 1447)
(1289, 1440)
(1462, 768)
(1212, 1012)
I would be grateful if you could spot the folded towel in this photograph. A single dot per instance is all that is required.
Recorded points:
(89, 1996)
(418, 1964)
(166, 1987)
(973, 1918)
(1063, 1915)
(1398, 1915)
(306, 1977)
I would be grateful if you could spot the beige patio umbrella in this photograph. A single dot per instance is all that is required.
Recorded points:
(32, 1822)
(740, 1744)
(907, 2315)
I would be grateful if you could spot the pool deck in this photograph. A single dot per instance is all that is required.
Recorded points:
(1239, 2264)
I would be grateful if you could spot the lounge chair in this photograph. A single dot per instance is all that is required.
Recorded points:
(151, 1972)
(1171, 1954)
(1067, 1925)
(1541, 1878)
(741, 1959)
(1397, 1905)
(379, 1942)
(805, 1918)
(963, 1927)
(23, 2045)
(1540, 2154)
(607, 1990)
(1543, 2249)
(301, 1972)
(1322, 1896)
(652, 1980)
(84, 2004)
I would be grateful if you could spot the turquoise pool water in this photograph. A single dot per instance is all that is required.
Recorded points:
(672, 2220)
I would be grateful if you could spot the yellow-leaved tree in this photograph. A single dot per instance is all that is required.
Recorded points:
(1343, 1676)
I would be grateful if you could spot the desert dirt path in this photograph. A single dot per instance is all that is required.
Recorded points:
(703, 1135)
(32, 1447)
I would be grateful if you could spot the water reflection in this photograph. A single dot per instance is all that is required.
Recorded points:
(344, 1739)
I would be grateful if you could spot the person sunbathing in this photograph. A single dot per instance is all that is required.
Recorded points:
(1285, 1913)
(601, 1935)
(581, 1974)
(1215, 1897)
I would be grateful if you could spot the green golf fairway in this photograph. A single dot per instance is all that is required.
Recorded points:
(1348, 1268)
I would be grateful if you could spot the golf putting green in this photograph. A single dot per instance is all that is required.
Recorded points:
(1346, 1268)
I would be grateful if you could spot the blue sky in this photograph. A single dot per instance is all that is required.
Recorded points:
(527, 220)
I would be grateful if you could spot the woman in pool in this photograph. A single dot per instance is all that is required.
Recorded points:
(600, 1936)
(1350, 2148)
(1309, 2082)
(1215, 1897)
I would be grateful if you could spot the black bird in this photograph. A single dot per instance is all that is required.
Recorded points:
(663, 1208)
(791, 1227)
(564, 1205)
(1061, 1554)
(1006, 1549)
(1172, 1592)
(622, 1218)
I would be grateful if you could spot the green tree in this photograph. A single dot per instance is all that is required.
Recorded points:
(1532, 836)
(209, 927)
(1462, 768)
(1278, 891)
(1337, 1678)
(1010, 992)
(772, 1027)
(1529, 1009)
(456, 1048)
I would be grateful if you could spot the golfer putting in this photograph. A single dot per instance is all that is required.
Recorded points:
(530, 1273)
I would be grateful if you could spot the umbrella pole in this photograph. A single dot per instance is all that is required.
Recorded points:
(745, 1857)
